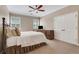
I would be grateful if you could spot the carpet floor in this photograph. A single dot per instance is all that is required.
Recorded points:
(57, 47)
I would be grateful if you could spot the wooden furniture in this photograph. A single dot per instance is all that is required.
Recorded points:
(23, 50)
(48, 33)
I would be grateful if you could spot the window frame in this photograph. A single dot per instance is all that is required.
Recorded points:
(36, 21)
(15, 24)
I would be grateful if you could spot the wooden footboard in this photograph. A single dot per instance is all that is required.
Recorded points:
(32, 47)
(23, 50)
(11, 50)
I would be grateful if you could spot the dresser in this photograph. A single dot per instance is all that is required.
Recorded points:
(48, 33)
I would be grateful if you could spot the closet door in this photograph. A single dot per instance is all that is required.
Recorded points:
(65, 27)
(59, 27)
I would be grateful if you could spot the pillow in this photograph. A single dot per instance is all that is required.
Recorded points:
(9, 32)
(17, 31)
(14, 32)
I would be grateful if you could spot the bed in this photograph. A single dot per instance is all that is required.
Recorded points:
(27, 41)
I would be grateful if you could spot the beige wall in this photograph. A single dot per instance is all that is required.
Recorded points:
(26, 22)
(47, 23)
(3, 13)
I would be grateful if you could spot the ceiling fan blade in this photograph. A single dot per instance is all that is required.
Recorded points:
(40, 6)
(31, 7)
(41, 10)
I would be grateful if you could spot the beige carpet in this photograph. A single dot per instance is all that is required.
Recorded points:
(57, 47)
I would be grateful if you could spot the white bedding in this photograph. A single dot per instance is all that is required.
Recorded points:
(26, 39)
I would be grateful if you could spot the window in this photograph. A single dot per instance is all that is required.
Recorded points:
(15, 21)
(36, 23)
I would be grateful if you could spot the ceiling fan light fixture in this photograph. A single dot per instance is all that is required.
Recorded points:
(37, 8)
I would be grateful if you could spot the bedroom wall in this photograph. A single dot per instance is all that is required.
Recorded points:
(48, 23)
(26, 22)
(3, 13)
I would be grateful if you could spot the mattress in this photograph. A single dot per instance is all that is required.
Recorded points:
(26, 39)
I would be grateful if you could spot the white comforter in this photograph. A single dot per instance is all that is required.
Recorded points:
(26, 39)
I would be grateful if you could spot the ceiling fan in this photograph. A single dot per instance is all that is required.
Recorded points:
(37, 8)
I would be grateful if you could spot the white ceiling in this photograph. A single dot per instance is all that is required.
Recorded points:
(24, 10)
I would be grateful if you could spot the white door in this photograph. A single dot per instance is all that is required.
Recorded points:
(65, 27)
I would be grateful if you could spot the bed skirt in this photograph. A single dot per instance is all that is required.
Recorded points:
(22, 50)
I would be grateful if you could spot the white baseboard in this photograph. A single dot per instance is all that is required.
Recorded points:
(68, 42)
